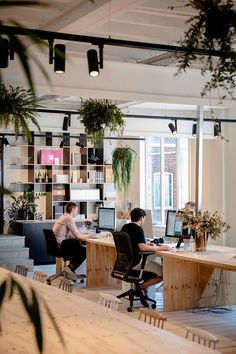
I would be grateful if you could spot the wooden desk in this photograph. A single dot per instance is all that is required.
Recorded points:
(88, 328)
(189, 277)
(100, 259)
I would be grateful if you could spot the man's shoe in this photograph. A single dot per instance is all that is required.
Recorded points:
(69, 274)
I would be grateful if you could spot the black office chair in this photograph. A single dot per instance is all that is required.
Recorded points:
(53, 250)
(123, 269)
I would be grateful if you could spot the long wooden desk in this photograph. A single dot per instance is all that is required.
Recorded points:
(195, 279)
(88, 328)
(187, 276)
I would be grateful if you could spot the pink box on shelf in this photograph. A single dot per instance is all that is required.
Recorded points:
(50, 157)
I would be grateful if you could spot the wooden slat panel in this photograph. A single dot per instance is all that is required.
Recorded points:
(99, 264)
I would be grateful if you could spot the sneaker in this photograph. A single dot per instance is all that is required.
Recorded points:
(69, 273)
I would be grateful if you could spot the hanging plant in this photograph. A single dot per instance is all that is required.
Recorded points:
(122, 166)
(100, 117)
(18, 107)
(212, 29)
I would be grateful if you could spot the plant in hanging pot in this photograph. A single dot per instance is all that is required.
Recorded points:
(212, 29)
(100, 117)
(18, 108)
(122, 166)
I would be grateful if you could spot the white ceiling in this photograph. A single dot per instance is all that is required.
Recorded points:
(151, 21)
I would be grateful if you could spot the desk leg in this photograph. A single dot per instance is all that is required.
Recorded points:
(183, 283)
(100, 260)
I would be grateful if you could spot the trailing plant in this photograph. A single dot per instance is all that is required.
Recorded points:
(100, 117)
(18, 107)
(212, 29)
(122, 166)
(31, 303)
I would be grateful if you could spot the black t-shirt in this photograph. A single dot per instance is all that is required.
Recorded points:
(136, 235)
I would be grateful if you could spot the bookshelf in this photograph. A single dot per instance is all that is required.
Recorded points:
(63, 166)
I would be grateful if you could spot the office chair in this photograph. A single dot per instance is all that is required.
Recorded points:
(53, 250)
(123, 269)
(202, 336)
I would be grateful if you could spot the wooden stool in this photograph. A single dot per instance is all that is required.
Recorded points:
(152, 317)
(108, 300)
(40, 276)
(22, 269)
(66, 284)
(200, 334)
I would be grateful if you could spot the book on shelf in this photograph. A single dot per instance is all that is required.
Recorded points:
(76, 158)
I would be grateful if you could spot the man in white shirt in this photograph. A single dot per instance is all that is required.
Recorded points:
(68, 239)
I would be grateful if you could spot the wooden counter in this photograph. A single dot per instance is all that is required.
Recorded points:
(195, 279)
(88, 328)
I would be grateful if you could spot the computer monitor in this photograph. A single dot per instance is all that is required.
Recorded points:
(106, 219)
(174, 227)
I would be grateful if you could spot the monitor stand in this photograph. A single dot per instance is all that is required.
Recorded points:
(180, 240)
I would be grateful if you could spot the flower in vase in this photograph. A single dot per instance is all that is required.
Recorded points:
(204, 222)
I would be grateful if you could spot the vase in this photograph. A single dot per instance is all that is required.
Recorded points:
(200, 241)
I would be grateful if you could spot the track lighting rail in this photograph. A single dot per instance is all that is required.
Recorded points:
(99, 41)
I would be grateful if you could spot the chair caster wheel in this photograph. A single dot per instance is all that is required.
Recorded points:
(153, 306)
(129, 309)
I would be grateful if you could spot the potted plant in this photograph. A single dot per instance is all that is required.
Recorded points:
(204, 225)
(23, 206)
(100, 117)
(122, 166)
(212, 30)
(18, 107)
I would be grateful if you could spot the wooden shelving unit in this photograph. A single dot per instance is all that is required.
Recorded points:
(64, 172)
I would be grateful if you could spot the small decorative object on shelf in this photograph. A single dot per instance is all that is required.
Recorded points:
(204, 225)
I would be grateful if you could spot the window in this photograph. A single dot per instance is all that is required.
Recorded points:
(168, 190)
(166, 175)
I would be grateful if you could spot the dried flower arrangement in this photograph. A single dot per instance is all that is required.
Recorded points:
(211, 223)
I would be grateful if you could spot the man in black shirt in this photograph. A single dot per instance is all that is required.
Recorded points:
(152, 270)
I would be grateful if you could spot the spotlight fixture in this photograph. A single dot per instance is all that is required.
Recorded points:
(194, 129)
(61, 143)
(93, 63)
(217, 129)
(58, 55)
(79, 144)
(66, 122)
(4, 49)
(173, 128)
(6, 142)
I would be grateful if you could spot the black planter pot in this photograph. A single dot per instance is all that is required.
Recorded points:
(22, 214)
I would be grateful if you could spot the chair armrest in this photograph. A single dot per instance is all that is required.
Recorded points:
(144, 255)
(146, 252)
